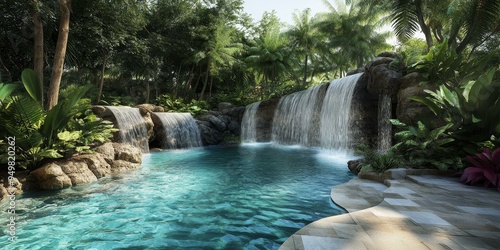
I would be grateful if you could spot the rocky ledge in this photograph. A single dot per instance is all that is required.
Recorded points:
(80, 169)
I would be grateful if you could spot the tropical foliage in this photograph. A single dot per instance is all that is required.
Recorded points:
(485, 169)
(187, 55)
(194, 107)
(58, 132)
(422, 147)
(375, 161)
(188, 49)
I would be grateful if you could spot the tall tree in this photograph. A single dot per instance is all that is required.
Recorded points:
(351, 36)
(38, 44)
(303, 34)
(100, 29)
(461, 22)
(219, 52)
(269, 58)
(60, 52)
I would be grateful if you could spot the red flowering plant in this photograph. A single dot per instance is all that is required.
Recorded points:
(485, 169)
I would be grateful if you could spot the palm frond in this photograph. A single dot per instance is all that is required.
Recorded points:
(405, 19)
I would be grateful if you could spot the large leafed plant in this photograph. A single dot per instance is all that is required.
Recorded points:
(485, 169)
(43, 134)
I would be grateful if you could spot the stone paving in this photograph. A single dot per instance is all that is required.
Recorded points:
(418, 212)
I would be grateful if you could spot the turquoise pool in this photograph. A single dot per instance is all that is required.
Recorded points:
(252, 196)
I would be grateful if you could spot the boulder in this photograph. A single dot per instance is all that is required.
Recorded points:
(211, 120)
(50, 176)
(78, 171)
(209, 135)
(218, 123)
(381, 78)
(224, 105)
(354, 166)
(95, 163)
(4, 194)
(127, 152)
(107, 151)
(121, 166)
(102, 111)
(146, 108)
(85, 168)
(15, 186)
(234, 127)
(235, 113)
(408, 111)
(149, 126)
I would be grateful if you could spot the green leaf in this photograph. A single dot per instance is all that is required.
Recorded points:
(427, 102)
(69, 136)
(50, 153)
(6, 90)
(32, 85)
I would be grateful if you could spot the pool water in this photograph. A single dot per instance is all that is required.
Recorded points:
(252, 196)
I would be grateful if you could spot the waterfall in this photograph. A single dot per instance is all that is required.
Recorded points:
(294, 117)
(132, 127)
(335, 113)
(319, 116)
(384, 123)
(179, 130)
(249, 123)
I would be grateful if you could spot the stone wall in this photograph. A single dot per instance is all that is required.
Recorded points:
(225, 119)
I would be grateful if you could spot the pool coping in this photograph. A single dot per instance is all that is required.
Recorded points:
(411, 212)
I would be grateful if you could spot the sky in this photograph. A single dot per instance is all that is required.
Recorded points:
(284, 8)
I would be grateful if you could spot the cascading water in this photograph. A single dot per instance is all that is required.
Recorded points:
(179, 131)
(315, 118)
(384, 124)
(335, 113)
(132, 127)
(294, 118)
(249, 123)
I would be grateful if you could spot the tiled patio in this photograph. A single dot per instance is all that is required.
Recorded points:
(418, 212)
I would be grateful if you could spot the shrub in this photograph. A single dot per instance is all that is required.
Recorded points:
(40, 134)
(421, 147)
(375, 161)
(485, 169)
(193, 107)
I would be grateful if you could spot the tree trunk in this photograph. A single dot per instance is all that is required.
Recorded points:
(305, 71)
(210, 90)
(38, 47)
(197, 82)
(148, 89)
(101, 81)
(177, 82)
(9, 75)
(421, 21)
(205, 83)
(60, 53)
(189, 81)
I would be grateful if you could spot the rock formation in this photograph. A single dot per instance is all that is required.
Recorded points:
(85, 168)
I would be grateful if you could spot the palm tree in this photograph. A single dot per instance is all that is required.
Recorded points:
(461, 22)
(475, 21)
(219, 52)
(303, 35)
(352, 37)
(269, 58)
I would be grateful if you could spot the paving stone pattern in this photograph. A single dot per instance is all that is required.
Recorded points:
(419, 212)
